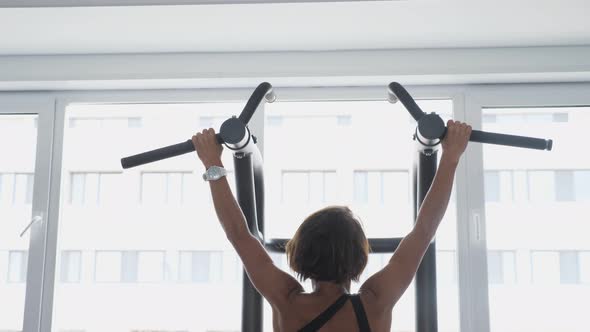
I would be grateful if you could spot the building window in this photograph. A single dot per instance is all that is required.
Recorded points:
(492, 186)
(71, 266)
(564, 186)
(568, 267)
(501, 267)
(134, 123)
(200, 266)
(16, 188)
(582, 185)
(381, 187)
(344, 120)
(274, 120)
(560, 117)
(488, 118)
(361, 187)
(129, 266)
(553, 267)
(521, 118)
(308, 187)
(110, 123)
(94, 188)
(584, 266)
(17, 266)
(537, 185)
(168, 188)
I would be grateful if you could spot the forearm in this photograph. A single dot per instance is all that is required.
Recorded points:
(227, 209)
(437, 199)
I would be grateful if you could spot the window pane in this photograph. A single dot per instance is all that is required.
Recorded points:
(582, 185)
(71, 265)
(509, 267)
(23, 189)
(361, 187)
(316, 187)
(18, 144)
(560, 117)
(568, 262)
(584, 258)
(77, 188)
(17, 266)
(540, 230)
(492, 185)
(130, 226)
(495, 267)
(564, 186)
(201, 266)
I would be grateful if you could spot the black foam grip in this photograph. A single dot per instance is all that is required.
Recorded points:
(161, 153)
(255, 100)
(511, 140)
(402, 94)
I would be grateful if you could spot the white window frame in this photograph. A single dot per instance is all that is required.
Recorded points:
(498, 96)
(37, 267)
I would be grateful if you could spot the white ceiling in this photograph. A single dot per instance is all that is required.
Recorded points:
(296, 26)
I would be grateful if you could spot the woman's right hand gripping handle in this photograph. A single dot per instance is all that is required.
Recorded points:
(455, 140)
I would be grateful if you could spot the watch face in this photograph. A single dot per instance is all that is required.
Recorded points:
(214, 173)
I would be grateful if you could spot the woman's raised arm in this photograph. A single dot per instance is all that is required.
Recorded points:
(273, 283)
(388, 284)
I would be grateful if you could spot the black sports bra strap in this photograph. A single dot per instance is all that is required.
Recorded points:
(325, 316)
(361, 315)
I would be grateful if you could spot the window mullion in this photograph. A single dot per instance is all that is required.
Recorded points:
(471, 253)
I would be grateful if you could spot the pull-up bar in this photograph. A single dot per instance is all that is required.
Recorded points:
(234, 132)
(431, 128)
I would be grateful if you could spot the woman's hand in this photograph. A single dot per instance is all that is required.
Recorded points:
(455, 140)
(207, 147)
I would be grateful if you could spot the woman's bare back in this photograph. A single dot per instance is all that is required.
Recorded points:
(305, 307)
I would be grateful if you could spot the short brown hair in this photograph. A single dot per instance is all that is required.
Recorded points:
(330, 245)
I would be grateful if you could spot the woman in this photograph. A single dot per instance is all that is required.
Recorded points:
(331, 249)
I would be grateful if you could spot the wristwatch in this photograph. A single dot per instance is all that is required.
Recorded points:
(214, 173)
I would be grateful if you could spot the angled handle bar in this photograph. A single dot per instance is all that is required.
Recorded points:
(434, 129)
(397, 92)
(231, 132)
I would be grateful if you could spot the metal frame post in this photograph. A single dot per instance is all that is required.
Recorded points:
(426, 301)
(246, 196)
